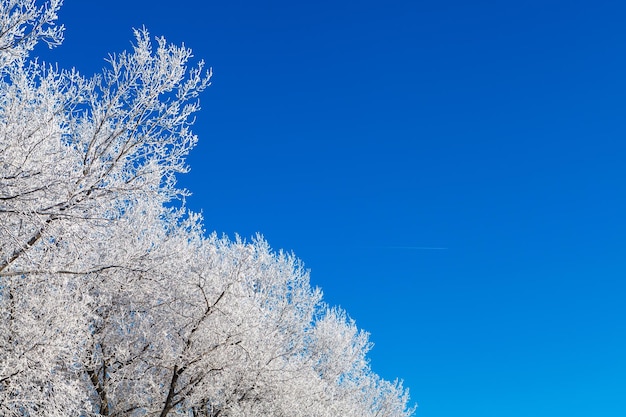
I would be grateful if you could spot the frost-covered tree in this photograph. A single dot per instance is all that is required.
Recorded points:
(112, 303)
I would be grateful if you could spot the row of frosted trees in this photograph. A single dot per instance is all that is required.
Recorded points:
(113, 304)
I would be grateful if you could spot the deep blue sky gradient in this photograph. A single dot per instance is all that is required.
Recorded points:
(360, 133)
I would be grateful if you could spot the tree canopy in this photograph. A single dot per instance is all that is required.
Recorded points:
(116, 302)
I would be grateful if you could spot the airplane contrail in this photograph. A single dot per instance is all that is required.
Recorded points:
(417, 247)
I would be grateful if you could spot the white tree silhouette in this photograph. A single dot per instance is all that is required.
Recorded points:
(112, 303)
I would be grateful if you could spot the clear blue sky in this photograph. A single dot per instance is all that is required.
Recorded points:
(357, 132)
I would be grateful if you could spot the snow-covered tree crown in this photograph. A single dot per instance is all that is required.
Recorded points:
(113, 304)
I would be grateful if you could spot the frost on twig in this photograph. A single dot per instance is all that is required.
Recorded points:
(23, 23)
